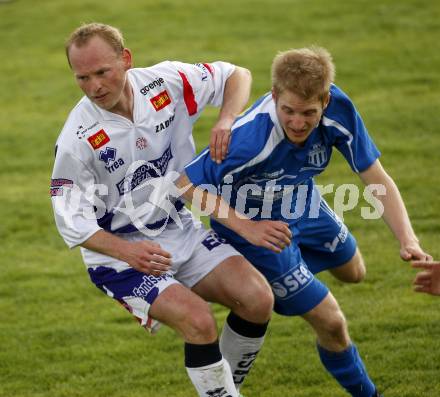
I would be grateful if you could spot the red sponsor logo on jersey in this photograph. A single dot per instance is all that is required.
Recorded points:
(161, 100)
(99, 139)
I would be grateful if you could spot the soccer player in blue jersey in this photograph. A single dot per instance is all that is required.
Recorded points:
(276, 148)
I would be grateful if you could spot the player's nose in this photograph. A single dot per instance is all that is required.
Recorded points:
(297, 122)
(95, 86)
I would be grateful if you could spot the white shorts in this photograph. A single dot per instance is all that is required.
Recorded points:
(195, 252)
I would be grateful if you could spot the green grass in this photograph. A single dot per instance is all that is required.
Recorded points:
(60, 336)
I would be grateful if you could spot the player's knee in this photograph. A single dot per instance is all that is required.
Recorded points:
(266, 305)
(259, 307)
(358, 271)
(353, 271)
(256, 300)
(252, 299)
(335, 327)
(201, 328)
(329, 324)
(198, 325)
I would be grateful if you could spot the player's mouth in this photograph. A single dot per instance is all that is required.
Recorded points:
(298, 133)
(100, 98)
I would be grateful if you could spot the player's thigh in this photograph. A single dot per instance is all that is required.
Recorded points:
(235, 283)
(352, 271)
(218, 273)
(160, 298)
(295, 289)
(134, 290)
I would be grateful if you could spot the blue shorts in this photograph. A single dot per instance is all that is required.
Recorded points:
(318, 244)
(325, 242)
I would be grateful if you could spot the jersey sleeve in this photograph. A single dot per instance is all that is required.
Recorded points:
(351, 137)
(74, 212)
(253, 138)
(204, 171)
(250, 139)
(203, 84)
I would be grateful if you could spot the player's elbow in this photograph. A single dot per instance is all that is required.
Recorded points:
(244, 75)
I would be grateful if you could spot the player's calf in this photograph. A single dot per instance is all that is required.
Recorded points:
(190, 315)
(349, 371)
(240, 344)
(208, 371)
(237, 285)
(339, 356)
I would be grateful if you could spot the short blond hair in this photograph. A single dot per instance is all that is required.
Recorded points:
(81, 36)
(306, 72)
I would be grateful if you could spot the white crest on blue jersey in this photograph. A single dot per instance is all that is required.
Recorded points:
(317, 155)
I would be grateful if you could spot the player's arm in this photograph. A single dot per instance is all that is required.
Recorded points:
(394, 214)
(273, 235)
(235, 97)
(144, 256)
(76, 217)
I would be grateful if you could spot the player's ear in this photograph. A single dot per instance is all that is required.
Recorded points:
(326, 100)
(274, 95)
(127, 58)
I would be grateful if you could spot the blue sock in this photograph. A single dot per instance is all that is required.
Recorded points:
(349, 370)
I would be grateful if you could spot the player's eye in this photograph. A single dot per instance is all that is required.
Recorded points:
(102, 72)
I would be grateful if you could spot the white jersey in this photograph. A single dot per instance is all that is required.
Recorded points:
(102, 158)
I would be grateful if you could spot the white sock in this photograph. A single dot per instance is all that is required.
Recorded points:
(240, 351)
(213, 380)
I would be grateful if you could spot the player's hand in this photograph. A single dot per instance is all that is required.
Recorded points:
(428, 280)
(273, 235)
(219, 142)
(413, 252)
(147, 257)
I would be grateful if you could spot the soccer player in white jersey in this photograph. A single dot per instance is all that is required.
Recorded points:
(276, 148)
(132, 128)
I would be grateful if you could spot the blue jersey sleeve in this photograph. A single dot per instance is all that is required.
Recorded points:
(202, 170)
(247, 141)
(350, 136)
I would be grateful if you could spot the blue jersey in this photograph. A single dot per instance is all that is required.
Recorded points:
(263, 171)
(266, 176)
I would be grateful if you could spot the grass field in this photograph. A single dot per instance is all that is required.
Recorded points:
(61, 337)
